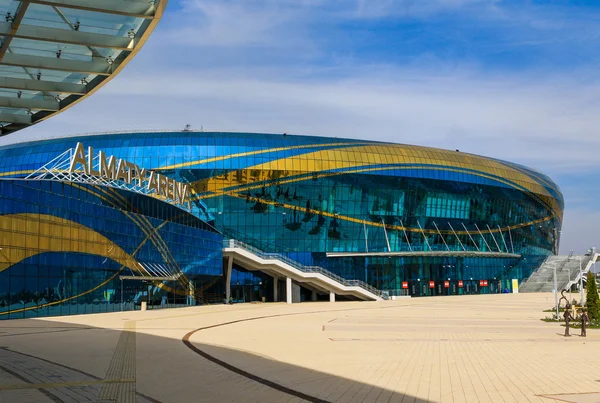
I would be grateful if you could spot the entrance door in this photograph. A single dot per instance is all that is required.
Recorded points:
(451, 287)
(471, 287)
(418, 288)
(424, 288)
(414, 288)
(495, 286)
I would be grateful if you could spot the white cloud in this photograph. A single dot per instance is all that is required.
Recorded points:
(548, 121)
(550, 124)
(215, 23)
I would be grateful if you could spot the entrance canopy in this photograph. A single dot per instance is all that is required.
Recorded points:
(54, 53)
(425, 254)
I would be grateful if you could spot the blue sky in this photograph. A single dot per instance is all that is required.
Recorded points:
(516, 80)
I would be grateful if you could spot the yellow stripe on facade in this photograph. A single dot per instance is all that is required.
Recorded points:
(253, 186)
(387, 226)
(146, 227)
(215, 182)
(107, 200)
(16, 173)
(143, 223)
(395, 154)
(102, 284)
(249, 153)
(43, 233)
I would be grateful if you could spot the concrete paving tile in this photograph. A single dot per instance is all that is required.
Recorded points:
(484, 348)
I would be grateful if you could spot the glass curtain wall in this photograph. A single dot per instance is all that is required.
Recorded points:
(309, 196)
(64, 246)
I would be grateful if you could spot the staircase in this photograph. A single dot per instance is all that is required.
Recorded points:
(281, 266)
(567, 273)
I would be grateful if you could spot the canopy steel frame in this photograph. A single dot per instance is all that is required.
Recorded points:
(502, 235)
(14, 26)
(493, 237)
(15, 119)
(72, 37)
(511, 241)
(424, 236)
(147, 278)
(406, 236)
(472, 240)
(96, 71)
(41, 86)
(131, 8)
(30, 103)
(457, 238)
(99, 66)
(441, 236)
(482, 237)
(387, 240)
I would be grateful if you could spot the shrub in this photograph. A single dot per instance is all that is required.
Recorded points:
(593, 300)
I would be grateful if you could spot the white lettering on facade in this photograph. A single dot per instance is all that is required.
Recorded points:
(78, 157)
(128, 172)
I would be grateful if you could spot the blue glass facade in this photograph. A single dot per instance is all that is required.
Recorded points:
(309, 197)
(64, 247)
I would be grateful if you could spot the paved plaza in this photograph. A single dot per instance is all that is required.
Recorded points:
(482, 348)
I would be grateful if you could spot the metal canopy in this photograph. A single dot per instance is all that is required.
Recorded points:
(63, 36)
(54, 53)
(133, 8)
(147, 278)
(155, 272)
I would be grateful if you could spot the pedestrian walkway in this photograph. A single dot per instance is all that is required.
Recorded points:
(484, 348)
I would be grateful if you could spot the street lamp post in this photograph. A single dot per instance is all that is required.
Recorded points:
(556, 292)
(581, 284)
(570, 288)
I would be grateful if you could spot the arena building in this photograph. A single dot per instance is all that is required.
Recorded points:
(195, 216)
(107, 222)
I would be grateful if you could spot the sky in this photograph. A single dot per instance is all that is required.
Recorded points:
(515, 80)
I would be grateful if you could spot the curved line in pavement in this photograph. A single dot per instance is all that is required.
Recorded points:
(256, 378)
(245, 374)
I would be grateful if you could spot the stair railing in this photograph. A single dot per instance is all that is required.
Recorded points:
(233, 243)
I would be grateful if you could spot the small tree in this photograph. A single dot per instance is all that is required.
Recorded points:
(592, 300)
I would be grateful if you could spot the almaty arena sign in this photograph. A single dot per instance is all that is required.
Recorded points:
(112, 168)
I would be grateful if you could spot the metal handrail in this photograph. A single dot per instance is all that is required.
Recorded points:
(234, 243)
(580, 273)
